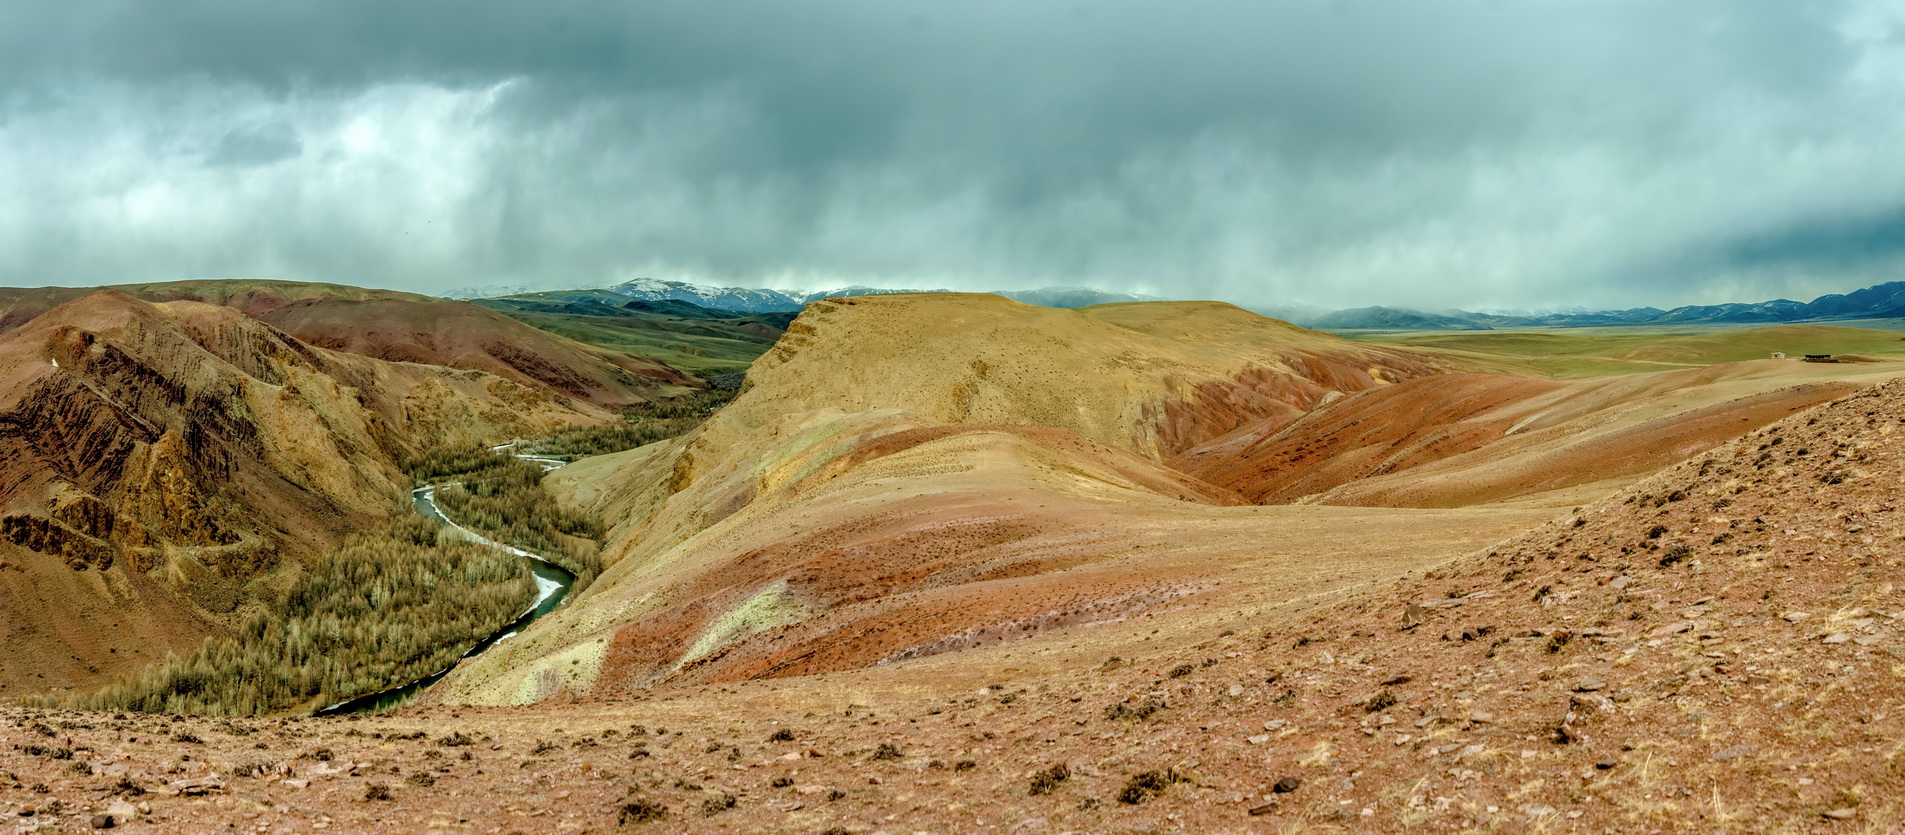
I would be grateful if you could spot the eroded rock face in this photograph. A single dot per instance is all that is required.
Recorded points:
(47, 536)
(159, 464)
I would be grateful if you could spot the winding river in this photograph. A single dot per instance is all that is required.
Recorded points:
(552, 587)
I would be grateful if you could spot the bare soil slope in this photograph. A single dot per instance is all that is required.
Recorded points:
(874, 538)
(161, 464)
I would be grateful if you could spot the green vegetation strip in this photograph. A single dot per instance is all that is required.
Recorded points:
(385, 608)
(501, 497)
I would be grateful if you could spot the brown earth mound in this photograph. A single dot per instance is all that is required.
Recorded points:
(400, 327)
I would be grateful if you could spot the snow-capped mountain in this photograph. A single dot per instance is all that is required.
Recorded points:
(488, 291)
(753, 300)
(1071, 296)
(745, 299)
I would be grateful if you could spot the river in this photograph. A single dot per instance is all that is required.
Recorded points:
(552, 587)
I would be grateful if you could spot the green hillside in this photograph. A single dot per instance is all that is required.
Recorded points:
(697, 340)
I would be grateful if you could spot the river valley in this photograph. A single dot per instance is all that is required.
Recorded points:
(553, 583)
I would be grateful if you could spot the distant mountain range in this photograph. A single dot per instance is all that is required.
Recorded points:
(756, 300)
(1878, 302)
(1883, 301)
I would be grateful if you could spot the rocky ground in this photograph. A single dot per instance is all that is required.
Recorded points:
(1716, 648)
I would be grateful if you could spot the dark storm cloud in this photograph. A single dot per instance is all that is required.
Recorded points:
(257, 145)
(1341, 152)
(1848, 241)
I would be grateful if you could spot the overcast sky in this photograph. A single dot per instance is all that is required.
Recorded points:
(1486, 154)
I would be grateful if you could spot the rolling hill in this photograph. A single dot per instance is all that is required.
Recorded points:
(463, 335)
(19, 305)
(402, 327)
(913, 437)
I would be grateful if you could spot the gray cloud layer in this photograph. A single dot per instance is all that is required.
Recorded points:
(1456, 153)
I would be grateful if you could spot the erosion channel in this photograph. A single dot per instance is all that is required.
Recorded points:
(552, 586)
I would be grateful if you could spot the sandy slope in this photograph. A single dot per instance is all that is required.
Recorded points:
(983, 359)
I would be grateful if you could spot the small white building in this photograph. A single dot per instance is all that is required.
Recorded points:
(1779, 355)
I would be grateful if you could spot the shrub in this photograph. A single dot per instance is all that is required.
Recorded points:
(1676, 554)
(1143, 787)
(1140, 711)
(641, 811)
(717, 804)
(1559, 641)
(1047, 780)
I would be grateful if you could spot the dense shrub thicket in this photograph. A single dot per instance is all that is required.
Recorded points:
(385, 608)
(508, 505)
(647, 423)
(501, 496)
